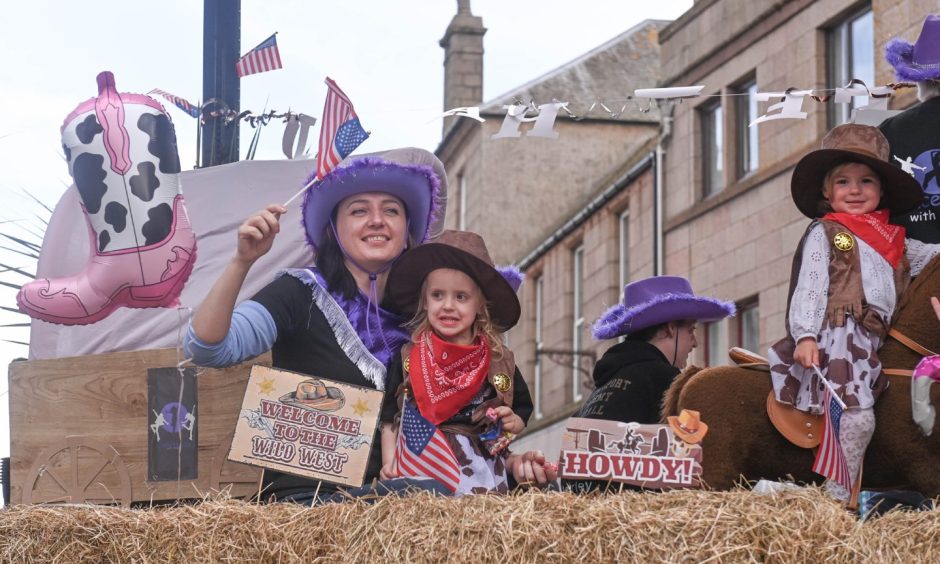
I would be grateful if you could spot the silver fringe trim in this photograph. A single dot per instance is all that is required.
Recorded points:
(346, 336)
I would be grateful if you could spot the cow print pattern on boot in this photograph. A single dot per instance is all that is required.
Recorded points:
(162, 143)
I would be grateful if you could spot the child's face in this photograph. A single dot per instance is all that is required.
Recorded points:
(453, 302)
(853, 188)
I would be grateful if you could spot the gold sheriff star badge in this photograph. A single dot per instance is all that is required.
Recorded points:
(843, 241)
(360, 408)
(266, 387)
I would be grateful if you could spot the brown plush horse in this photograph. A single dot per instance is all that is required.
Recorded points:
(742, 442)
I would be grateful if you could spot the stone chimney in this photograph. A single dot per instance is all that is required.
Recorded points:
(463, 61)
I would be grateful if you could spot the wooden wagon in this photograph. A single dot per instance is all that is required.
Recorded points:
(80, 429)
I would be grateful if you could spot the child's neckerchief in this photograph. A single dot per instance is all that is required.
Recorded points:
(873, 228)
(445, 377)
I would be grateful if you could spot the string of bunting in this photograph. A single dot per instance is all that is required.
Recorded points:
(602, 107)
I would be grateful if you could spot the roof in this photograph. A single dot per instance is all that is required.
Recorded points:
(606, 74)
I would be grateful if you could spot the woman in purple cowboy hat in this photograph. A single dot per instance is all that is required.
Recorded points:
(327, 319)
(657, 318)
(914, 134)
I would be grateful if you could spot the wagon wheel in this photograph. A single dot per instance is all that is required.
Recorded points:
(227, 474)
(74, 465)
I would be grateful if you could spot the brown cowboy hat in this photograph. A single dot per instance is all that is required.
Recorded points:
(459, 250)
(853, 143)
(688, 426)
(314, 394)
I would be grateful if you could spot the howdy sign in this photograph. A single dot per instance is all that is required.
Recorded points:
(651, 456)
(307, 426)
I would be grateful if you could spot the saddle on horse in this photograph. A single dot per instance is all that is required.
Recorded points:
(799, 427)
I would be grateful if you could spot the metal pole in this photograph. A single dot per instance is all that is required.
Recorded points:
(221, 47)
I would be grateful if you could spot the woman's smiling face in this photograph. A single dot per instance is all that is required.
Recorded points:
(372, 228)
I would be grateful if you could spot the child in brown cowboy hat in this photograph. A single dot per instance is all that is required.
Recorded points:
(848, 272)
(455, 380)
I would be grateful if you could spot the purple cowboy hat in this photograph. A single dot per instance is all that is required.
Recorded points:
(656, 300)
(415, 176)
(920, 61)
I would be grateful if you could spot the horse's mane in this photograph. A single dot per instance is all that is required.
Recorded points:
(671, 397)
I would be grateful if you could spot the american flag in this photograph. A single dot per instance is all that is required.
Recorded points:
(180, 103)
(263, 58)
(340, 131)
(422, 450)
(830, 460)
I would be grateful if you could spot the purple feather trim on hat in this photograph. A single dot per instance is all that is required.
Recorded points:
(900, 54)
(616, 320)
(513, 275)
(378, 165)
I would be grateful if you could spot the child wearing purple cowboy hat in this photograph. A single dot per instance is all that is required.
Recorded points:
(327, 320)
(455, 379)
(914, 134)
(849, 271)
(657, 318)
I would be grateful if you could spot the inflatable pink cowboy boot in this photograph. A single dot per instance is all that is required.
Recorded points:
(121, 150)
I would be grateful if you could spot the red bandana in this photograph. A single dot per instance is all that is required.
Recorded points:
(874, 229)
(445, 376)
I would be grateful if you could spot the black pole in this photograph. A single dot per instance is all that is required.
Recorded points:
(5, 478)
(221, 47)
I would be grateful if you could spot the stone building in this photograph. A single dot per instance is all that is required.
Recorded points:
(690, 191)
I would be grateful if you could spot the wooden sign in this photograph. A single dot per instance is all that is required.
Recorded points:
(305, 425)
(650, 456)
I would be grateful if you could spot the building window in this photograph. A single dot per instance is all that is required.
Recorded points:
(577, 341)
(539, 321)
(747, 140)
(748, 327)
(716, 343)
(851, 54)
(712, 149)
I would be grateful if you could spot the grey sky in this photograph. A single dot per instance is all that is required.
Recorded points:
(385, 56)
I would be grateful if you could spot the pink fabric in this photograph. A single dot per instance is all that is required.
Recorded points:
(928, 367)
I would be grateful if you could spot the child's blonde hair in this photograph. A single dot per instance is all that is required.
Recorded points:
(824, 205)
(483, 325)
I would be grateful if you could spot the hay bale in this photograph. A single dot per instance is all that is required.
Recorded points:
(681, 526)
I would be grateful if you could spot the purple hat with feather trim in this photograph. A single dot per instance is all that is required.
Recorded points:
(413, 175)
(656, 300)
(918, 61)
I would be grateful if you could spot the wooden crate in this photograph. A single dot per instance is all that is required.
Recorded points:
(79, 430)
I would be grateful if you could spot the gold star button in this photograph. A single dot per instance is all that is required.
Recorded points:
(502, 382)
(360, 408)
(843, 241)
(406, 363)
(265, 386)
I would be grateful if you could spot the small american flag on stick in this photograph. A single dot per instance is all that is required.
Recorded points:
(265, 57)
(180, 103)
(422, 450)
(830, 459)
(340, 130)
